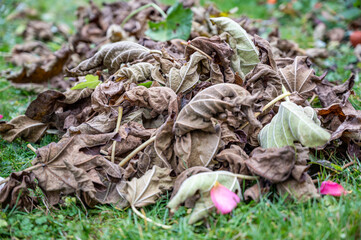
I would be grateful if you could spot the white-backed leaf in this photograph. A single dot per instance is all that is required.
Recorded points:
(203, 183)
(293, 123)
(247, 54)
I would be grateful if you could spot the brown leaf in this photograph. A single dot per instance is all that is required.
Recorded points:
(228, 102)
(42, 71)
(56, 177)
(234, 159)
(274, 164)
(141, 192)
(16, 193)
(158, 99)
(23, 127)
(105, 95)
(301, 191)
(256, 191)
(299, 77)
(110, 57)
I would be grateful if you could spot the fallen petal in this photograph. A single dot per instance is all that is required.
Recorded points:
(1, 116)
(332, 188)
(224, 199)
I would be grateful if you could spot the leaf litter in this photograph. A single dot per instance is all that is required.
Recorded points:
(193, 114)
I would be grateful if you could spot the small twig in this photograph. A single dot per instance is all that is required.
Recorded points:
(145, 219)
(197, 49)
(138, 149)
(246, 177)
(155, 6)
(120, 114)
(348, 165)
(103, 152)
(149, 220)
(31, 148)
(313, 98)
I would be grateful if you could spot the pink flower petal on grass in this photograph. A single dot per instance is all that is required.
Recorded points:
(1, 116)
(332, 188)
(224, 199)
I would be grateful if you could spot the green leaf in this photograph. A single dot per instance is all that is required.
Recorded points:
(91, 82)
(202, 183)
(178, 24)
(146, 84)
(246, 57)
(293, 123)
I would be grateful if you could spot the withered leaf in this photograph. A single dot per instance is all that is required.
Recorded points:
(301, 191)
(146, 190)
(233, 158)
(138, 72)
(23, 127)
(181, 80)
(110, 57)
(299, 77)
(56, 177)
(215, 102)
(274, 164)
(15, 192)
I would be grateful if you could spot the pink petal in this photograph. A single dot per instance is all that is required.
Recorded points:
(224, 199)
(332, 188)
(1, 116)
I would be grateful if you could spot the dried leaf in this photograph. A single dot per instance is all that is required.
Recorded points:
(247, 54)
(301, 191)
(273, 164)
(136, 73)
(181, 80)
(141, 192)
(293, 123)
(23, 127)
(15, 192)
(299, 77)
(233, 158)
(110, 57)
(202, 183)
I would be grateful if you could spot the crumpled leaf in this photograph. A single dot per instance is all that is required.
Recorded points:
(215, 102)
(55, 177)
(91, 82)
(42, 71)
(177, 24)
(274, 164)
(299, 77)
(158, 99)
(203, 183)
(141, 192)
(181, 80)
(301, 191)
(15, 192)
(293, 123)
(110, 57)
(23, 127)
(246, 57)
(138, 72)
(233, 159)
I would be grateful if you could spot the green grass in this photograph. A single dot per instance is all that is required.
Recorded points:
(272, 218)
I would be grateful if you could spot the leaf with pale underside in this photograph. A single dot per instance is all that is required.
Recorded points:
(247, 54)
(146, 190)
(203, 183)
(293, 123)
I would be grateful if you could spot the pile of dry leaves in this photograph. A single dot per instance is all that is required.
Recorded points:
(226, 106)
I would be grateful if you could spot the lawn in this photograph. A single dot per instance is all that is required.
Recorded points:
(271, 218)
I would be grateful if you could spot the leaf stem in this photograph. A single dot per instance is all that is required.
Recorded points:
(284, 90)
(138, 149)
(155, 6)
(197, 49)
(246, 177)
(149, 220)
(284, 95)
(120, 115)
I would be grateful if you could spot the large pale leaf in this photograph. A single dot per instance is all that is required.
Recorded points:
(203, 183)
(110, 57)
(247, 54)
(143, 191)
(293, 123)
